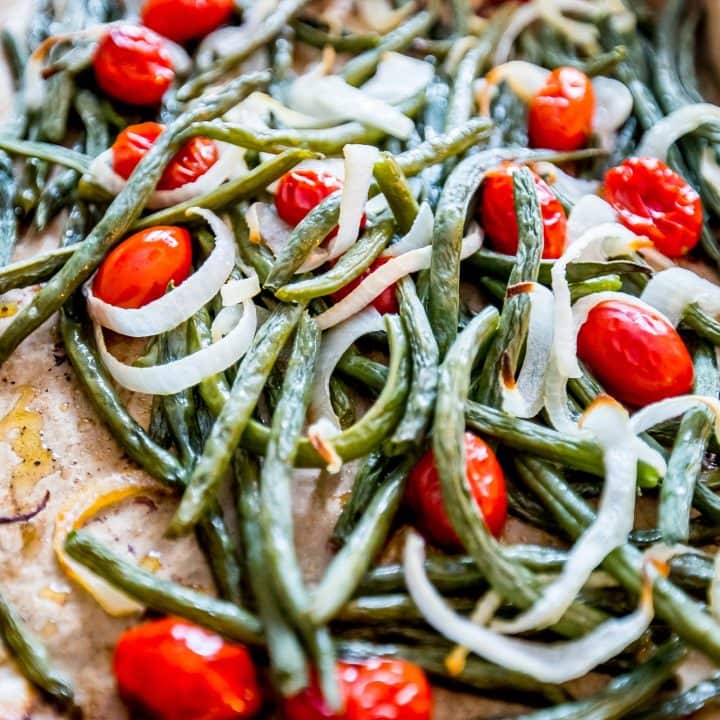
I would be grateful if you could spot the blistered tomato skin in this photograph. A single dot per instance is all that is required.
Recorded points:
(487, 482)
(174, 670)
(654, 201)
(497, 214)
(132, 65)
(192, 161)
(374, 689)
(385, 303)
(140, 269)
(636, 355)
(561, 114)
(182, 20)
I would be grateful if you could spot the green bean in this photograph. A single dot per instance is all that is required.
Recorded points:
(287, 658)
(702, 323)
(228, 193)
(46, 151)
(412, 428)
(163, 595)
(605, 62)
(685, 616)
(394, 186)
(350, 42)
(120, 215)
(707, 502)
(282, 62)
(159, 428)
(623, 694)
(59, 95)
(15, 54)
(234, 417)
(271, 27)
(89, 108)
(8, 219)
(343, 405)
(350, 266)
(685, 461)
(368, 373)
(706, 694)
(477, 675)
(508, 344)
(362, 66)
(54, 197)
(602, 283)
(361, 546)
(31, 656)
(393, 609)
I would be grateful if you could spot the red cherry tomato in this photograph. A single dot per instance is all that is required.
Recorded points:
(636, 355)
(654, 201)
(375, 689)
(299, 191)
(133, 65)
(182, 20)
(385, 303)
(140, 268)
(177, 671)
(561, 114)
(193, 159)
(497, 214)
(487, 481)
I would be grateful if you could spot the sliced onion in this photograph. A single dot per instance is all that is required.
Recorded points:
(418, 236)
(385, 276)
(579, 33)
(333, 98)
(598, 243)
(524, 397)
(334, 345)
(78, 510)
(613, 106)
(266, 225)
(567, 186)
(230, 164)
(609, 423)
(524, 78)
(238, 291)
(556, 400)
(178, 375)
(659, 412)
(380, 15)
(554, 663)
(359, 163)
(398, 78)
(672, 291)
(709, 168)
(663, 134)
(181, 62)
(588, 212)
(179, 304)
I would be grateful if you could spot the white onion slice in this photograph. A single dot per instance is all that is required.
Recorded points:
(609, 423)
(524, 78)
(709, 168)
(598, 243)
(663, 410)
(613, 106)
(418, 236)
(398, 78)
(179, 304)
(556, 400)
(178, 375)
(565, 185)
(333, 98)
(230, 164)
(359, 163)
(334, 345)
(588, 212)
(554, 663)
(234, 292)
(181, 62)
(385, 276)
(663, 134)
(673, 290)
(266, 225)
(524, 397)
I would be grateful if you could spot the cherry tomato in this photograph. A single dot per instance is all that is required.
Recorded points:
(299, 191)
(140, 268)
(497, 214)
(385, 303)
(635, 354)
(177, 671)
(193, 159)
(375, 689)
(133, 65)
(487, 481)
(561, 114)
(182, 20)
(654, 201)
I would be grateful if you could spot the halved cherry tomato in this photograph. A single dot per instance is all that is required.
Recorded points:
(385, 303)
(635, 354)
(193, 159)
(497, 214)
(177, 671)
(561, 114)
(487, 482)
(140, 268)
(299, 191)
(182, 20)
(654, 201)
(374, 689)
(133, 65)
